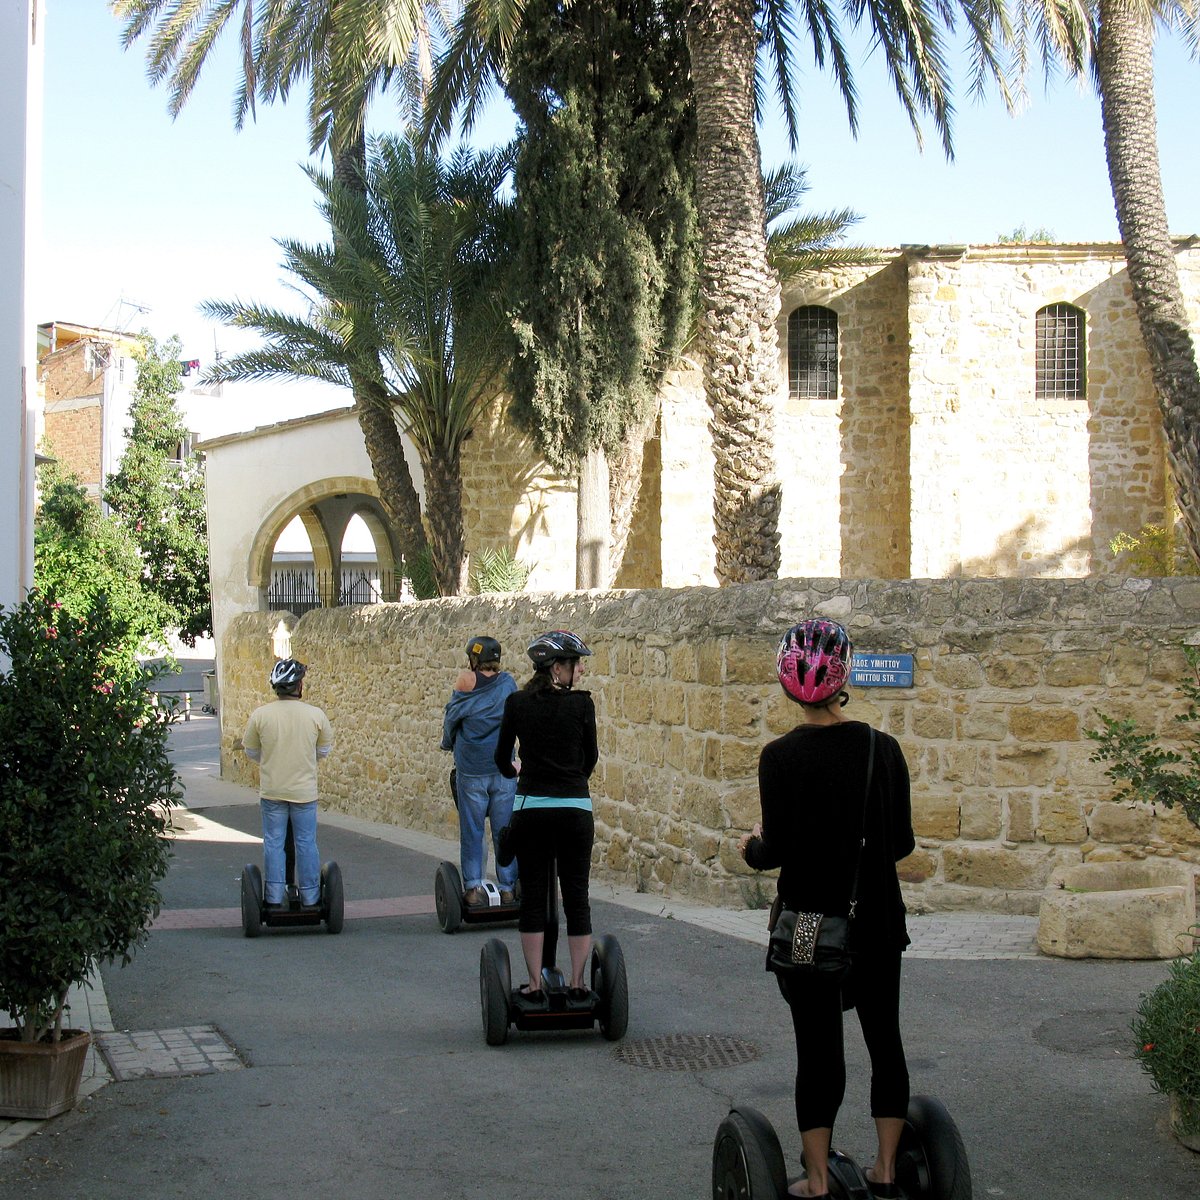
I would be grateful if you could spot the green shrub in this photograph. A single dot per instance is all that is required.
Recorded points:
(497, 571)
(1167, 1029)
(1154, 552)
(1146, 770)
(85, 788)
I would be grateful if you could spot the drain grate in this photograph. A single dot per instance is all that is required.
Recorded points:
(166, 1053)
(686, 1052)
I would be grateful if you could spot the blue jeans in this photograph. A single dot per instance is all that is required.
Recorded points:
(275, 815)
(480, 797)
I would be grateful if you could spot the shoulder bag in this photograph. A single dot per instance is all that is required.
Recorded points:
(813, 944)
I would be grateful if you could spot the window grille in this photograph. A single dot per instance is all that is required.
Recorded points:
(813, 353)
(1060, 365)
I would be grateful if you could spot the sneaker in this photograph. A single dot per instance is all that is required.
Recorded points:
(507, 897)
(474, 897)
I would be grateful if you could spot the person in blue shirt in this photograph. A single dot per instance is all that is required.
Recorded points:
(470, 728)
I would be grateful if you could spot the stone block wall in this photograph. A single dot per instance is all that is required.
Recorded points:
(1009, 674)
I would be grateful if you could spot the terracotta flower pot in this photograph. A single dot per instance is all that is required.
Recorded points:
(40, 1079)
(1185, 1116)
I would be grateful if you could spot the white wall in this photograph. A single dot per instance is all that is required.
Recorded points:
(247, 477)
(21, 44)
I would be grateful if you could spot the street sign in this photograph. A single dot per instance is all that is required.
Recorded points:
(881, 670)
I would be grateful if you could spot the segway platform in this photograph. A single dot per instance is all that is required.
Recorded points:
(604, 1003)
(329, 909)
(452, 910)
(931, 1164)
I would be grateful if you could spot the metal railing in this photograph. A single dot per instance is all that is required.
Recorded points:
(300, 590)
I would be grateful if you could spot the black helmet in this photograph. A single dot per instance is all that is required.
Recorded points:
(286, 674)
(554, 646)
(482, 650)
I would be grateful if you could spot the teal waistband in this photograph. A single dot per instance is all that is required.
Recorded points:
(582, 802)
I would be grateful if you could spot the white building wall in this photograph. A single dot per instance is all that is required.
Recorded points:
(250, 476)
(22, 35)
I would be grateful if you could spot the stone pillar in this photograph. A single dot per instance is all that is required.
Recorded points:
(935, 371)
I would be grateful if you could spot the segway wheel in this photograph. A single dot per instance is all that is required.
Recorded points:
(747, 1161)
(333, 897)
(610, 984)
(251, 900)
(931, 1163)
(495, 989)
(447, 897)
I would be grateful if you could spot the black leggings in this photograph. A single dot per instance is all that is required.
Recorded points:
(565, 834)
(820, 1056)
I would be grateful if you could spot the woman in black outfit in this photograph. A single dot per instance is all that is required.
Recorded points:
(812, 783)
(555, 726)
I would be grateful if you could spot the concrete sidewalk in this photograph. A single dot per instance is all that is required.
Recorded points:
(297, 1062)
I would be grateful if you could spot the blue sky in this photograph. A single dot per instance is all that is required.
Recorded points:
(142, 210)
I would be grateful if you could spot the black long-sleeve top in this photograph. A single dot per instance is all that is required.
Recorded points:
(811, 784)
(557, 734)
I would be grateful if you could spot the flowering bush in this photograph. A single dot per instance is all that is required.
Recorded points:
(85, 788)
(1167, 1029)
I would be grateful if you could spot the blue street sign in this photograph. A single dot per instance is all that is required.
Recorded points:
(881, 670)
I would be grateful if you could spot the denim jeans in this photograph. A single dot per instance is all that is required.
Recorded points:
(480, 797)
(275, 815)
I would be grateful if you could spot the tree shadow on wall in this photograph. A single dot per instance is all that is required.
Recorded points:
(517, 480)
(1014, 558)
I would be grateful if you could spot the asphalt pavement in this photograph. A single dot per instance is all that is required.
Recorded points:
(300, 1063)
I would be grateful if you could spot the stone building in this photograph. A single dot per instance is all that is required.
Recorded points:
(86, 377)
(973, 411)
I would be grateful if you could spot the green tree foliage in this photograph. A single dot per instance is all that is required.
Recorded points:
(415, 268)
(86, 559)
(85, 784)
(605, 219)
(159, 496)
(1021, 236)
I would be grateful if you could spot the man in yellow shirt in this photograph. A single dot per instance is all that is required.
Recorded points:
(287, 737)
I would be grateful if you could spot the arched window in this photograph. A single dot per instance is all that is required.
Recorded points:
(1061, 361)
(813, 353)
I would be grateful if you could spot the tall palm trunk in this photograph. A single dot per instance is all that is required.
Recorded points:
(739, 291)
(376, 414)
(1125, 70)
(443, 508)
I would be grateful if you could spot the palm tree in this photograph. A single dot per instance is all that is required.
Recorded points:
(346, 51)
(739, 291)
(407, 301)
(1124, 68)
(1116, 37)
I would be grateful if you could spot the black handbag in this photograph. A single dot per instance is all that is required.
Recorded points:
(813, 944)
(507, 847)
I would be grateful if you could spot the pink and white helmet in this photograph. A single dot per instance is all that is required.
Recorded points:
(814, 661)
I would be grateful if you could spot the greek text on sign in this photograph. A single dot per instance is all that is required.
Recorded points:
(881, 670)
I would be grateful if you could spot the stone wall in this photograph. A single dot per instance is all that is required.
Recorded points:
(1009, 675)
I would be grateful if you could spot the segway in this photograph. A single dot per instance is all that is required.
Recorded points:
(449, 898)
(606, 1001)
(330, 907)
(931, 1163)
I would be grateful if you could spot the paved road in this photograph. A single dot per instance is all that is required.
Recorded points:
(356, 1066)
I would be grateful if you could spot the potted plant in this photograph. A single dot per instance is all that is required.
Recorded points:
(85, 789)
(1167, 1029)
